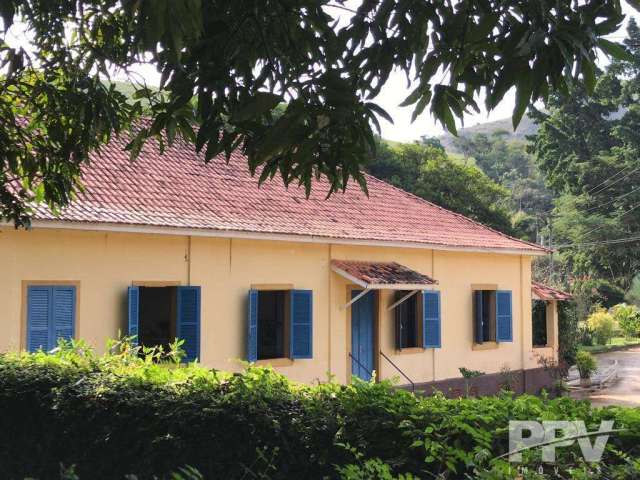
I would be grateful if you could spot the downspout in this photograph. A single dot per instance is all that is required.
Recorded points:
(433, 350)
(522, 320)
(330, 307)
(188, 259)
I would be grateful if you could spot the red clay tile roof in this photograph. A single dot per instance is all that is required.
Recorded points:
(543, 292)
(177, 189)
(382, 273)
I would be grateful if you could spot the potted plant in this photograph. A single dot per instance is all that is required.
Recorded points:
(586, 365)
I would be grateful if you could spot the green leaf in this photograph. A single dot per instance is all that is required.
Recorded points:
(7, 10)
(588, 74)
(259, 104)
(523, 97)
(422, 103)
(615, 50)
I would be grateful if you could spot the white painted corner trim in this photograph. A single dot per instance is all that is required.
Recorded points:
(282, 237)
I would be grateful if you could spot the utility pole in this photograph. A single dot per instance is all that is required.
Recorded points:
(551, 265)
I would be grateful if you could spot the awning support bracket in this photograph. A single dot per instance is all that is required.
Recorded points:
(357, 297)
(406, 297)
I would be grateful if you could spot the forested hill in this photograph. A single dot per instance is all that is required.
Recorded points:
(504, 126)
(573, 185)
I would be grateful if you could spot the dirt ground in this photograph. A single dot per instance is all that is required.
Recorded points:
(626, 390)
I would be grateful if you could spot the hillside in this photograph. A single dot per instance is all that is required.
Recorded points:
(526, 127)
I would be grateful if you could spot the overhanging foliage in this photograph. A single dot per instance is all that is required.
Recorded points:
(226, 65)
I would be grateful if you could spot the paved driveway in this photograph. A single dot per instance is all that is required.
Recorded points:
(626, 391)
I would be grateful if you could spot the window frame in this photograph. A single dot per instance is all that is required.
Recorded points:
(289, 349)
(286, 326)
(24, 324)
(545, 304)
(417, 297)
(493, 317)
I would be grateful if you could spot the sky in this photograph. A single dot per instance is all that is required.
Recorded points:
(392, 94)
(403, 130)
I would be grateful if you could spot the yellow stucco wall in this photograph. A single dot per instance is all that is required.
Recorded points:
(104, 264)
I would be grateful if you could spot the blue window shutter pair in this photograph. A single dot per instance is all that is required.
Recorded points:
(431, 328)
(301, 328)
(51, 314)
(504, 316)
(187, 321)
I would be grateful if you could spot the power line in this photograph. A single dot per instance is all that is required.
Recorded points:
(617, 181)
(615, 241)
(607, 179)
(611, 201)
(618, 217)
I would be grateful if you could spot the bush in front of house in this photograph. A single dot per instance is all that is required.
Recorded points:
(121, 414)
(602, 325)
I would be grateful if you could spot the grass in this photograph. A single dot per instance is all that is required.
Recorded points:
(616, 343)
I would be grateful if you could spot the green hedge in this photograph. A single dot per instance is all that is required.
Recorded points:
(119, 414)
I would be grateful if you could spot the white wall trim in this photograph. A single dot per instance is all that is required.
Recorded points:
(195, 232)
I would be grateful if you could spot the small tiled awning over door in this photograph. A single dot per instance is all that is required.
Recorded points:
(543, 292)
(381, 275)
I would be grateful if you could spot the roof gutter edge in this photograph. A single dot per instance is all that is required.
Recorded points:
(195, 232)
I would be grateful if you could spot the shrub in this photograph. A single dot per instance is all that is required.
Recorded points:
(628, 318)
(568, 332)
(586, 364)
(602, 324)
(585, 336)
(119, 414)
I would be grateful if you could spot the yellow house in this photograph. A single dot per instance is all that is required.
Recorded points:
(171, 246)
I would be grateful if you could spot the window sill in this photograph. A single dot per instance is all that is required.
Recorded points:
(275, 362)
(486, 346)
(542, 346)
(404, 351)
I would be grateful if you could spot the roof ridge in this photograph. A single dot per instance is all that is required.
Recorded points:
(463, 217)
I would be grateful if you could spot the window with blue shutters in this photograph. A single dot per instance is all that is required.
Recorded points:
(51, 315)
(159, 315)
(492, 316)
(279, 324)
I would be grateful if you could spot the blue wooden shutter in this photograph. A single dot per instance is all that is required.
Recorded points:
(504, 317)
(252, 326)
(477, 311)
(431, 315)
(134, 310)
(63, 313)
(188, 322)
(301, 324)
(38, 313)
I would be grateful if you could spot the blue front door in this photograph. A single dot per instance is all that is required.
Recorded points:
(362, 321)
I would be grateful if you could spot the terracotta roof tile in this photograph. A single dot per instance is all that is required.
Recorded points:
(382, 273)
(178, 189)
(544, 292)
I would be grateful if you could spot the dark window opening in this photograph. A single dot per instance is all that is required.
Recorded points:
(539, 317)
(487, 322)
(408, 324)
(273, 319)
(157, 317)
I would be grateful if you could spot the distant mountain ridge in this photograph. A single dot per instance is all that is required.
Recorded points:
(526, 127)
